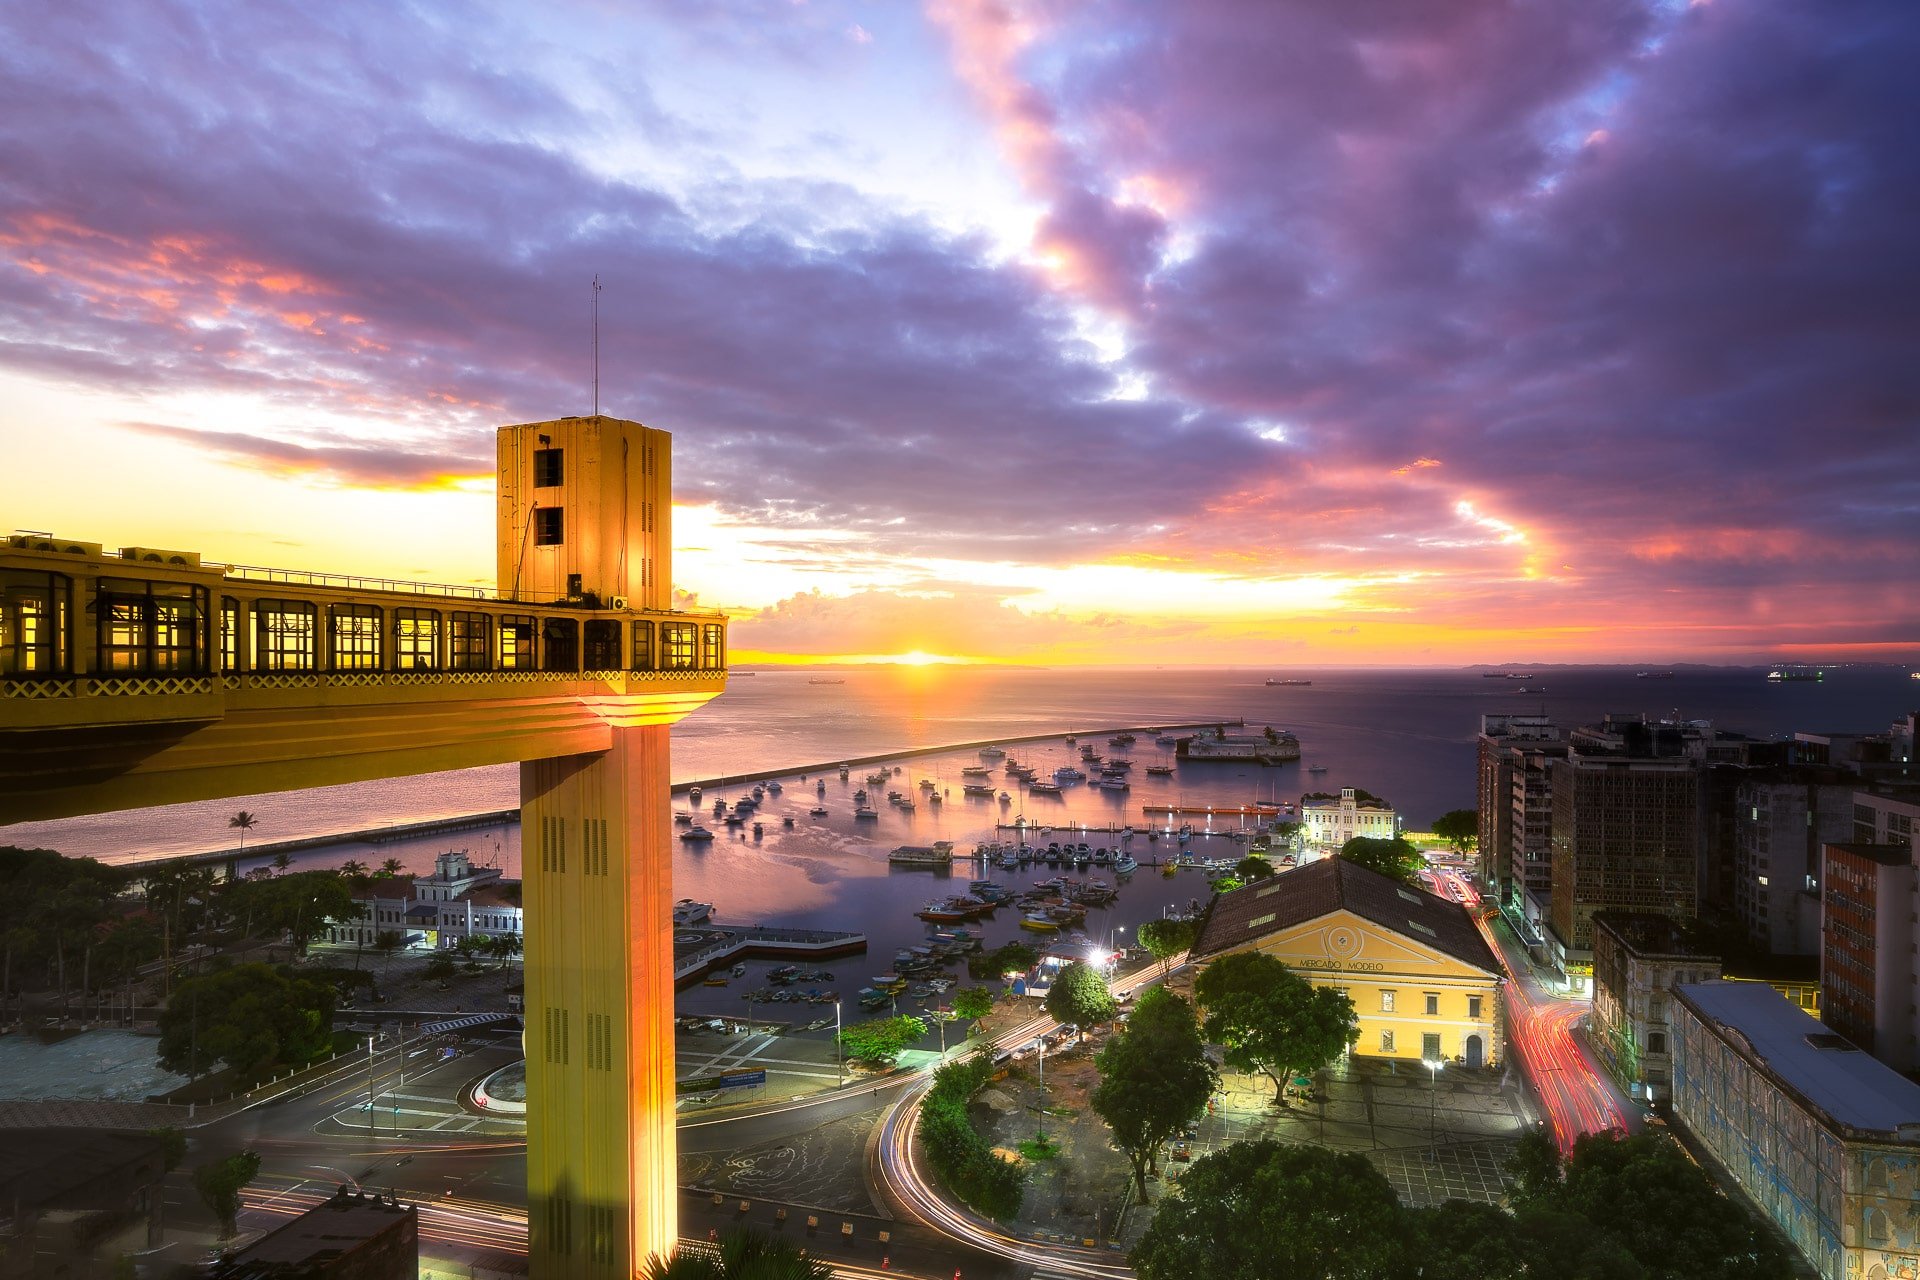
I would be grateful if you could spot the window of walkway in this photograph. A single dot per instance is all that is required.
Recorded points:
(713, 647)
(470, 642)
(33, 623)
(149, 628)
(642, 646)
(516, 643)
(560, 644)
(416, 640)
(283, 635)
(356, 637)
(677, 645)
(603, 644)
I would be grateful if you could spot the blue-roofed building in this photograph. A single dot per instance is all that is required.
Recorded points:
(1823, 1138)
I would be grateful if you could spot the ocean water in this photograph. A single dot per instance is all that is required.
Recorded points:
(1407, 735)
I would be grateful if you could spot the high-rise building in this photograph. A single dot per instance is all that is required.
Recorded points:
(1516, 809)
(1781, 819)
(1627, 829)
(1885, 817)
(1869, 973)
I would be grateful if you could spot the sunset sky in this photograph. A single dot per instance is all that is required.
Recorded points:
(1204, 332)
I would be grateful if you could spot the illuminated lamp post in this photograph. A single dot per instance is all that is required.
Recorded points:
(1433, 1116)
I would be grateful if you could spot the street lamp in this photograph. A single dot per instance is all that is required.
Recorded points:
(371, 1115)
(1433, 1115)
(839, 1054)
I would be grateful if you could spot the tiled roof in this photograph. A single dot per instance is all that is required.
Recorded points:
(492, 895)
(1336, 884)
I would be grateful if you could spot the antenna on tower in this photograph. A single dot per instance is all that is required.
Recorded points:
(596, 344)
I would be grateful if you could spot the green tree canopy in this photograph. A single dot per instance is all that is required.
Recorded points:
(1268, 1211)
(880, 1040)
(1078, 997)
(1461, 1240)
(300, 905)
(1459, 828)
(1154, 1079)
(1270, 1019)
(250, 1017)
(220, 1183)
(1252, 867)
(742, 1255)
(1165, 939)
(1393, 857)
(973, 1002)
(1664, 1210)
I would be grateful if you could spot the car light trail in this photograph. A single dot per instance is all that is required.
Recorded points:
(1577, 1098)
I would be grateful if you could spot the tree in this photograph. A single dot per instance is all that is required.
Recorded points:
(1270, 1019)
(878, 1041)
(1079, 997)
(973, 1002)
(353, 869)
(1014, 957)
(282, 860)
(1664, 1210)
(1461, 1240)
(742, 1255)
(440, 967)
(246, 822)
(300, 905)
(1459, 828)
(220, 1184)
(504, 947)
(1393, 857)
(1269, 1211)
(390, 868)
(386, 942)
(1154, 1079)
(1165, 939)
(1252, 867)
(250, 1017)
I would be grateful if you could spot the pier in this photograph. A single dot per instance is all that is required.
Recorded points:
(699, 950)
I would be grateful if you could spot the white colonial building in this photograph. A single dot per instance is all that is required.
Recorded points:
(459, 900)
(1325, 825)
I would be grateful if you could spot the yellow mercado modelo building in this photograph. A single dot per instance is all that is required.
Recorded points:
(1423, 981)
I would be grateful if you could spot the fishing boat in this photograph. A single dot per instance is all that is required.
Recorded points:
(818, 811)
(978, 789)
(1159, 771)
(866, 811)
(739, 971)
(976, 771)
(1125, 865)
(1039, 923)
(1113, 784)
(1068, 773)
(993, 753)
(1043, 788)
(693, 794)
(696, 833)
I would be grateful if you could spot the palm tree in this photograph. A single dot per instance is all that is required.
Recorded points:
(245, 821)
(282, 860)
(742, 1255)
(392, 867)
(353, 868)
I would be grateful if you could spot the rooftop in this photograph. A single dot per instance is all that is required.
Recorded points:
(1647, 933)
(333, 1227)
(1336, 884)
(1855, 1089)
(1887, 855)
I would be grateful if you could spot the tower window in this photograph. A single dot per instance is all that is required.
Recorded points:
(549, 526)
(549, 468)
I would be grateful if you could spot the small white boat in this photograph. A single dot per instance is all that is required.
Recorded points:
(696, 833)
(866, 811)
(818, 811)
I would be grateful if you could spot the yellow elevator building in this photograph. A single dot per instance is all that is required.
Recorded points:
(137, 677)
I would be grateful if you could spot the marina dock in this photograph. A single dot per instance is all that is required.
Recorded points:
(702, 948)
